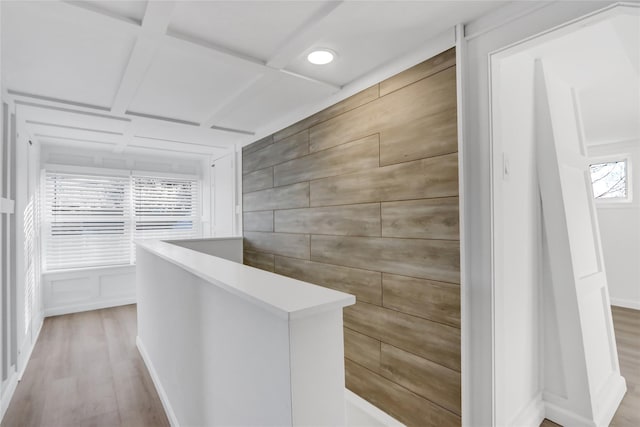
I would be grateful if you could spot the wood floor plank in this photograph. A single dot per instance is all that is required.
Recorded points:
(259, 260)
(289, 148)
(365, 285)
(421, 179)
(418, 72)
(425, 378)
(429, 299)
(348, 104)
(257, 180)
(350, 157)
(285, 244)
(430, 340)
(287, 197)
(257, 221)
(85, 370)
(404, 405)
(348, 220)
(422, 219)
(428, 259)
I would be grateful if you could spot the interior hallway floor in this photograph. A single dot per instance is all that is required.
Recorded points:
(626, 323)
(86, 371)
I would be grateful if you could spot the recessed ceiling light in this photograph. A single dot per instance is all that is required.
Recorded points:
(321, 56)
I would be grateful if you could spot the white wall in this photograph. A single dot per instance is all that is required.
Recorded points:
(620, 230)
(517, 305)
(509, 24)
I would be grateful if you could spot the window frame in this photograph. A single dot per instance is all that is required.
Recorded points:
(98, 171)
(613, 158)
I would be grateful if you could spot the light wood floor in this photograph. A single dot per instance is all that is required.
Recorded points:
(86, 371)
(627, 326)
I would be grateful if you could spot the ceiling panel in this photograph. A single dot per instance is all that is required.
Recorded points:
(133, 10)
(49, 53)
(272, 101)
(253, 28)
(366, 35)
(181, 85)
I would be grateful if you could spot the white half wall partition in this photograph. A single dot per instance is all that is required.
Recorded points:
(228, 344)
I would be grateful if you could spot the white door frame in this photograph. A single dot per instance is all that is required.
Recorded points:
(497, 148)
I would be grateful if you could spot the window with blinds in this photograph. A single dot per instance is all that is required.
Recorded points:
(92, 220)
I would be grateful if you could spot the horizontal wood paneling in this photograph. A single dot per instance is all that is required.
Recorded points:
(399, 402)
(348, 104)
(287, 197)
(259, 260)
(362, 349)
(418, 72)
(350, 157)
(437, 301)
(365, 285)
(428, 379)
(412, 103)
(430, 340)
(422, 219)
(427, 259)
(258, 221)
(348, 220)
(420, 179)
(258, 145)
(289, 148)
(366, 202)
(291, 245)
(257, 180)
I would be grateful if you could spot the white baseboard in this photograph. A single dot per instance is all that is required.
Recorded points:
(561, 416)
(609, 399)
(30, 351)
(531, 415)
(10, 388)
(173, 420)
(96, 305)
(626, 303)
(361, 413)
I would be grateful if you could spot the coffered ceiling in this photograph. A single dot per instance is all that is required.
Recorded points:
(197, 76)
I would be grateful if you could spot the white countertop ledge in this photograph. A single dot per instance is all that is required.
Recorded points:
(286, 297)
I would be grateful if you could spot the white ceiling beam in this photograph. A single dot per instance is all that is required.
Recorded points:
(97, 17)
(308, 33)
(154, 25)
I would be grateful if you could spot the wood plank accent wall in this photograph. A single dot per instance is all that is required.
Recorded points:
(363, 198)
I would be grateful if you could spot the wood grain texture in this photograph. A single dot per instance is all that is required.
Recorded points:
(416, 102)
(259, 260)
(350, 157)
(347, 220)
(287, 197)
(430, 340)
(289, 148)
(257, 180)
(365, 285)
(362, 349)
(418, 72)
(421, 179)
(428, 379)
(257, 145)
(422, 219)
(290, 245)
(85, 370)
(427, 259)
(404, 405)
(348, 104)
(437, 301)
(258, 221)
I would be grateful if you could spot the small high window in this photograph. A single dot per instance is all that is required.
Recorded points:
(610, 180)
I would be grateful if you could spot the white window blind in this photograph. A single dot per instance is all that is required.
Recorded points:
(87, 220)
(93, 220)
(166, 208)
